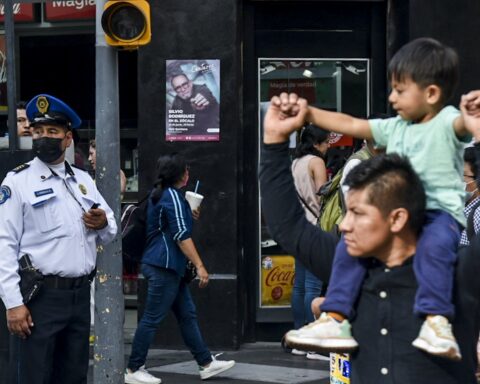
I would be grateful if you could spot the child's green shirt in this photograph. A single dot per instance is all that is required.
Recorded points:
(436, 154)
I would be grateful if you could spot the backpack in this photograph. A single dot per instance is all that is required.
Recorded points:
(332, 207)
(134, 230)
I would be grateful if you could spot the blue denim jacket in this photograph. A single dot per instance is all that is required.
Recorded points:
(171, 219)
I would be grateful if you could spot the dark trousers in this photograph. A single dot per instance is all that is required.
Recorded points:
(434, 266)
(57, 350)
(167, 291)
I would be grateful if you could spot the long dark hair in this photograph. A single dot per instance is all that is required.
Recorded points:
(309, 136)
(170, 170)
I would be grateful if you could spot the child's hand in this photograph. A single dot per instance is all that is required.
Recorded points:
(285, 115)
(470, 107)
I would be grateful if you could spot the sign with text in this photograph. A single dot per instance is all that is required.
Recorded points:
(193, 100)
(276, 280)
(70, 10)
(21, 12)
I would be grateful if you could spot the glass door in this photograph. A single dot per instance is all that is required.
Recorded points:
(334, 84)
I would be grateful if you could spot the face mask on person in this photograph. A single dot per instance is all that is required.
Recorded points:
(469, 194)
(47, 149)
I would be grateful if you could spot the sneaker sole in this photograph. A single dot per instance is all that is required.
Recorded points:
(317, 357)
(296, 352)
(450, 353)
(132, 381)
(211, 374)
(322, 345)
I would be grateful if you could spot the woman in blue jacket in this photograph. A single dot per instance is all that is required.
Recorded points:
(169, 225)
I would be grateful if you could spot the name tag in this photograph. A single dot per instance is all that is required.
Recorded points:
(43, 192)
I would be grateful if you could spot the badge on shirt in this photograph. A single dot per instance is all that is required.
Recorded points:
(5, 193)
(43, 192)
(82, 188)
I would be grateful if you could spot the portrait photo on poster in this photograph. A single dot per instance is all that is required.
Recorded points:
(192, 100)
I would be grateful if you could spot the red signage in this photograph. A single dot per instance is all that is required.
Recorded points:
(21, 12)
(339, 140)
(70, 10)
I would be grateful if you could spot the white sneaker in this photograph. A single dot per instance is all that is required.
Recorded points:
(436, 338)
(297, 352)
(317, 356)
(141, 376)
(215, 367)
(323, 335)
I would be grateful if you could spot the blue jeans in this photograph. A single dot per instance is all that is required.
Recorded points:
(306, 287)
(166, 291)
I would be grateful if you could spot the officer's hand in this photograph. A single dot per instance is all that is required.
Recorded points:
(95, 219)
(19, 321)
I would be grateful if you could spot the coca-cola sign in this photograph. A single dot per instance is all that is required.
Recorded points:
(21, 12)
(277, 276)
(70, 10)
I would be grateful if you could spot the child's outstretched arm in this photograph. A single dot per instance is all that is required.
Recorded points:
(470, 107)
(340, 123)
(285, 115)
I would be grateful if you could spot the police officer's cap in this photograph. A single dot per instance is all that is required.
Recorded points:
(44, 109)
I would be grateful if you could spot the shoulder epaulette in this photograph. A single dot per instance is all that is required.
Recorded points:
(20, 168)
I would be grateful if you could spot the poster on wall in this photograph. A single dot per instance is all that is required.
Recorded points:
(276, 280)
(193, 100)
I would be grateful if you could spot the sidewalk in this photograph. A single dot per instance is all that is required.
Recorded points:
(256, 363)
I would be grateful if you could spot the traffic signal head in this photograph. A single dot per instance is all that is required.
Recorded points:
(126, 23)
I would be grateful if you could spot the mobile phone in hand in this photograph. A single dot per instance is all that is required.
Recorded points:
(94, 206)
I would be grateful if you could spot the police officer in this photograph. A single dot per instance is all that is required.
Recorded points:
(53, 212)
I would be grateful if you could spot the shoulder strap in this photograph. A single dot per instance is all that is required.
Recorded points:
(307, 206)
(470, 221)
(20, 168)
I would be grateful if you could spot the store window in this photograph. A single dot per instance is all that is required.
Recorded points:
(334, 84)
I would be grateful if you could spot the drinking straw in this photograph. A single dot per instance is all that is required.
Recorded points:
(196, 186)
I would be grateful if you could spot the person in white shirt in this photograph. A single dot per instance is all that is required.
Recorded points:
(54, 213)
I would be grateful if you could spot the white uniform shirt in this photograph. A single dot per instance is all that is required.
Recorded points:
(42, 218)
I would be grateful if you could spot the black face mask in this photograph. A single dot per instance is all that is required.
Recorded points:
(47, 149)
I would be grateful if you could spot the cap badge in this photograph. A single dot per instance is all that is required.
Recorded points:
(42, 104)
(82, 188)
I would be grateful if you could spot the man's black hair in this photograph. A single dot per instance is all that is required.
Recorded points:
(309, 136)
(392, 183)
(21, 105)
(426, 62)
(470, 158)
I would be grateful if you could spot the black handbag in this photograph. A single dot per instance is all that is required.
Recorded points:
(190, 272)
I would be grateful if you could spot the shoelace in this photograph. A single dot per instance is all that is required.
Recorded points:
(442, 328)
(321, 320)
